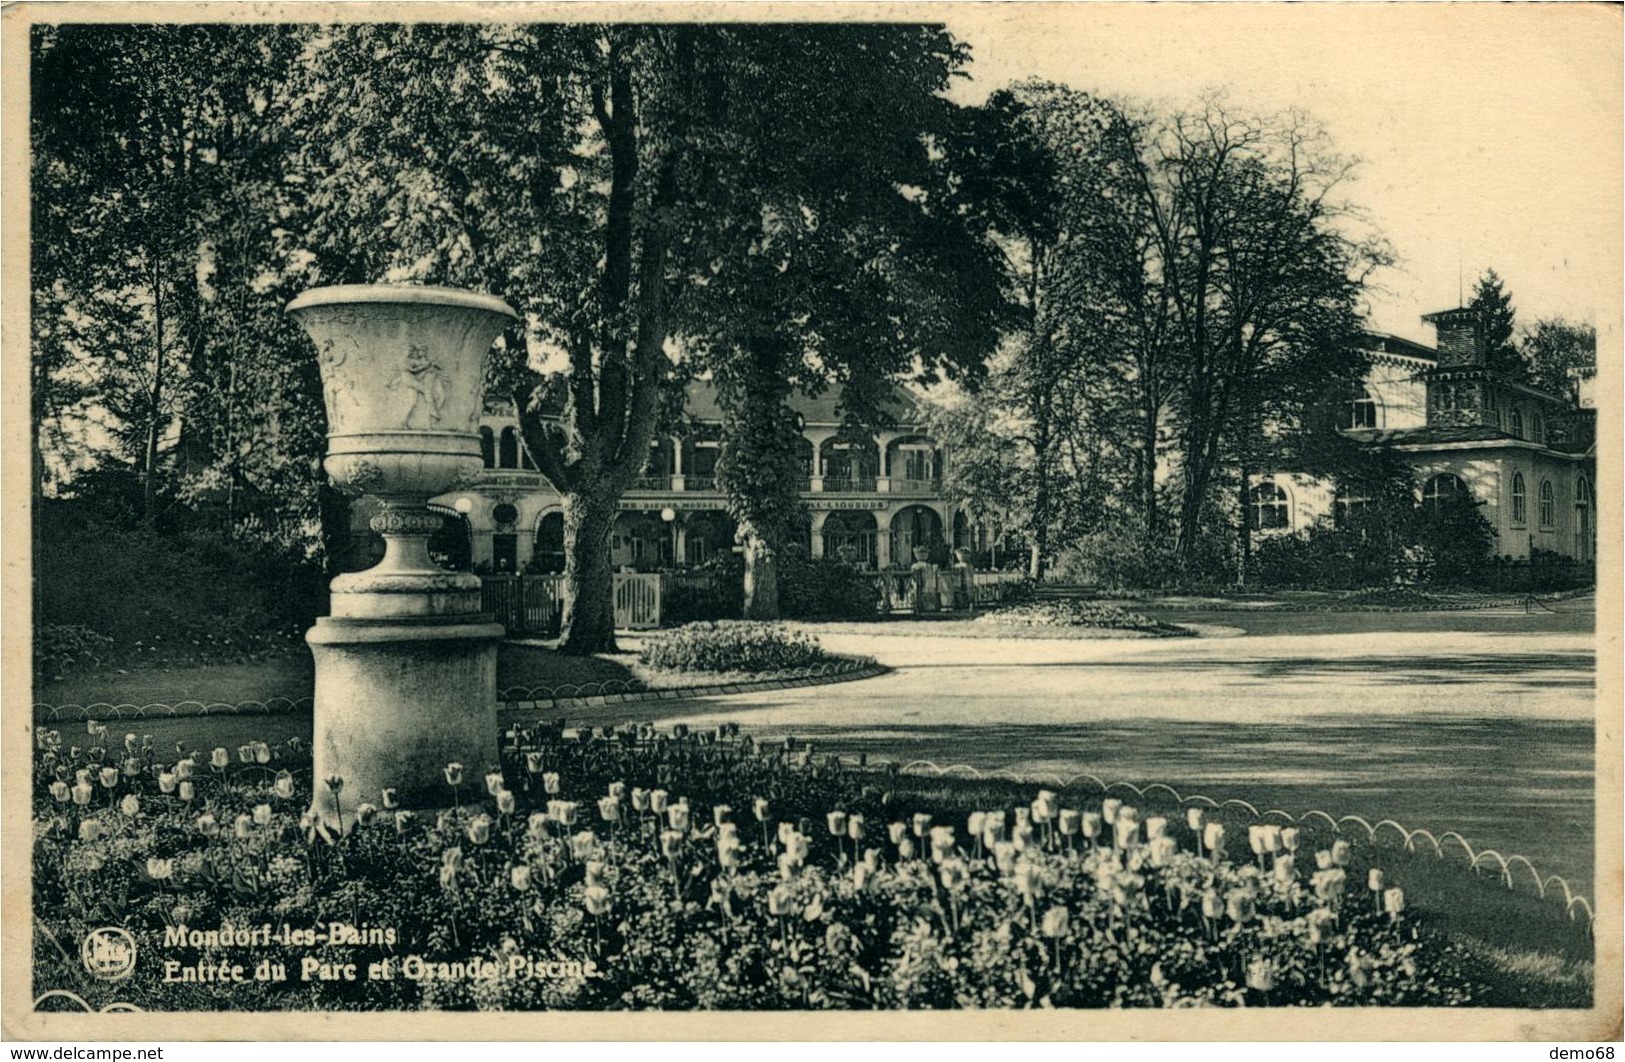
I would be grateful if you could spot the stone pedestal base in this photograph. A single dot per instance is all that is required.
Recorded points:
(398, 700)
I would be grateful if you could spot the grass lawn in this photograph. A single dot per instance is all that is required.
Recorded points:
(292, 676)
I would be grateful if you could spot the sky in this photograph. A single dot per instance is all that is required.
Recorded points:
(1490, 134)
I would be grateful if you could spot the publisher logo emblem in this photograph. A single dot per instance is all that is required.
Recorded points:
(108, 953)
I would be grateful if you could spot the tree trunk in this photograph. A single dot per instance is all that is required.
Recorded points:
(1190, 521)
(761, 576)
(149, 459)
(589, 580)
(1245, 532)
(1041, 495)
(1148, 481)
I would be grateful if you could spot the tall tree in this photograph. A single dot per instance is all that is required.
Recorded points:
(156, 175)
(1037, 163)
(1262, 275)
(1555, 351)
(837, 255)
(1499, 322)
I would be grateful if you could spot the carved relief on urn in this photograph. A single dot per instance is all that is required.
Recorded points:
(403, 373)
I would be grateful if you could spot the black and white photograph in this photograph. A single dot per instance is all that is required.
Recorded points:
(892, 521)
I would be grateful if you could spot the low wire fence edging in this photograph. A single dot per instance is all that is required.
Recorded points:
(1571, 899)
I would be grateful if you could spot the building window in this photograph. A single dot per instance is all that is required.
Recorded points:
(1583, 529)
(1517, 423)
(1271, 509)
(1361, 411)
(508, 449)
(488, 448)
(1548, 504)
(1537, 428)
(1348, 506)
(1438, 491)
(1520, 508)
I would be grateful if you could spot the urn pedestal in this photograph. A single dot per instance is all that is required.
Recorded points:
(406, 662)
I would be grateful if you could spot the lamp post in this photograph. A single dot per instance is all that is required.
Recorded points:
(406, 662)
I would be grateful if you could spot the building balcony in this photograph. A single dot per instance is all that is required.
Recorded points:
(922, 488)
(689, 484)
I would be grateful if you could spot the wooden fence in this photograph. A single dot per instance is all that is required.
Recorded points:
(534, 604)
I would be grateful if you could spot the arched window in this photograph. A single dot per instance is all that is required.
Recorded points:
(1520, 506)
(508, 449)
(1517, 423)
(1583, 527)
(1360, 412)
(1548, 504)
(1438, 492)
(1537, 428)
(488, 447)
(1271, 508)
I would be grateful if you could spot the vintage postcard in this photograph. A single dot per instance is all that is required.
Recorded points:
(891, 520)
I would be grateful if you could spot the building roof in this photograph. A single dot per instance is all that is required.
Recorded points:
(1447, 434)
(1383, 343)
(1452, 315)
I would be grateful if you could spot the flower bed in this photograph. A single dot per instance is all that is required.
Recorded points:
(699, 870)
(731, 646)
(1073, 612)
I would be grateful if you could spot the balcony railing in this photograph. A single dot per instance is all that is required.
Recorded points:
(850, 484)
(699, 483)
(916, 486)
(652, 483)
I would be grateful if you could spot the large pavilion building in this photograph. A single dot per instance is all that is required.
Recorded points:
(1528, 457)
(873, 496)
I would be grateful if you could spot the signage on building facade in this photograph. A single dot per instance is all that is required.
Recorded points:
(812, 503)
(845, 503)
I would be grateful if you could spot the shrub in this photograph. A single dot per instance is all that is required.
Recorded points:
(810, 588)
(820, 588)
(169, 597)
(715, 596)
(731, 645)
(701, 870)
(1455, 544)
(61, 648)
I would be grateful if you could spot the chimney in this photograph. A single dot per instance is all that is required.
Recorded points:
(1460, 340)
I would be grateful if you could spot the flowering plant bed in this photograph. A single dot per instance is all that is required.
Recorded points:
(639, 869)
(738, 646)
(1073, 612)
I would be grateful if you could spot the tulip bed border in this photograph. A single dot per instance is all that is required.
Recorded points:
(509, 699)
(929, 768)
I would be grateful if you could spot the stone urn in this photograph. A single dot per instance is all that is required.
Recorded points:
(406, 663)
